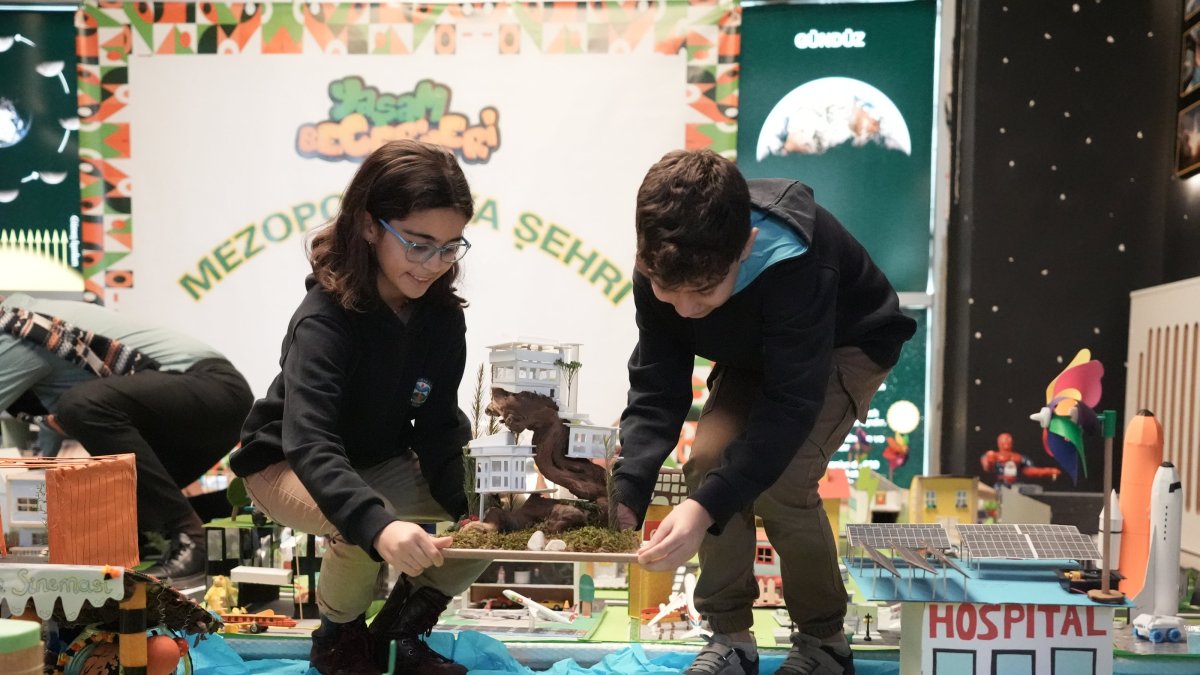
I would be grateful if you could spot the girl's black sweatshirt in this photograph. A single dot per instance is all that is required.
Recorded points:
(360, 388)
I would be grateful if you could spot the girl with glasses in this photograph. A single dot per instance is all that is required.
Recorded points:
(360, 436)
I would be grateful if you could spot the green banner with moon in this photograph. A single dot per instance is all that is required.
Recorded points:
(840, 96)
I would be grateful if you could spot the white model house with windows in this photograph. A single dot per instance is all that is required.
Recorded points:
(589, 441)
(542, 367)
(25, 508)
(502, 465)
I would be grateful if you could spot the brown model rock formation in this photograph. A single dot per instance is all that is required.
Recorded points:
(585, 480)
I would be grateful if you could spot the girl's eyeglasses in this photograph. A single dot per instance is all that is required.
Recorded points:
(421, 253)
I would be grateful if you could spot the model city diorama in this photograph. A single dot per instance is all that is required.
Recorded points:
(966, 596)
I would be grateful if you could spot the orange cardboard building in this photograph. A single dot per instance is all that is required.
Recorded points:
(90, 508)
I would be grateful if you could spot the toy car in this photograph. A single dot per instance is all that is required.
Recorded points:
(1159, 628)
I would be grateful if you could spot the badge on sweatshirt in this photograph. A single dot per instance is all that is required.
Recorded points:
(420, 392)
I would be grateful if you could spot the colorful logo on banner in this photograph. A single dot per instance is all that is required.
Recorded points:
(362, 118)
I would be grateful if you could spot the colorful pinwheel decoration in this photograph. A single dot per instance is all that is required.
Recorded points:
(896, 452)
(1069, 413)
(860, 449)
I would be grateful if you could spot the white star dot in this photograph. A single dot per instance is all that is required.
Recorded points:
(1096, 330)
(1077, 69)
(1054, 167)
(1009, 359)
(1003, 130)
(1139, 134)
(978, 382)
(977, 427)
(978, 335)
(1010, 400)
(1010, 259)
(1032, 103)
(1150, 34)
(1075, 8)
(1109, 39)
(1088, 140)
(1066, 113)
(995, 308)
(970, 301)
(1004, 60)
(1121, 248)
(1011, 163)
(1062, 197)
(1058, 358)
(1046, 35)
(1045, 272)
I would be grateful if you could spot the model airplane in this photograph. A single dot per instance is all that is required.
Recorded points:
(537, 610)
(682, 601)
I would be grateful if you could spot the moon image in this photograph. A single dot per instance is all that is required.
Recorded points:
(830, 111)
(13, 125)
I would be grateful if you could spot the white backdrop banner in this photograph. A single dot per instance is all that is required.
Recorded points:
(236, 128)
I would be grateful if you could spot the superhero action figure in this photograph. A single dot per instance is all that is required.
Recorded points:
(1009, 466)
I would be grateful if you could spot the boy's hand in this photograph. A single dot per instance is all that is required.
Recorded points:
(677, 538)
(626, 520)
(409, 548)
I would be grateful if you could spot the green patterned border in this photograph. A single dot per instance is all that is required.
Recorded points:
(110, 32)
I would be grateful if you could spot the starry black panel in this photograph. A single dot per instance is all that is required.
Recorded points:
(1063, 160)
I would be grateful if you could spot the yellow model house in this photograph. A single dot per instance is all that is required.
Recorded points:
(943, 499)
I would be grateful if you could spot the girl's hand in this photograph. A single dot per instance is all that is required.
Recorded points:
(409, 548)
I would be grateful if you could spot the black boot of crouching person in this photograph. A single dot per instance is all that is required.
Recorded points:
(342, 648)
(407, 617)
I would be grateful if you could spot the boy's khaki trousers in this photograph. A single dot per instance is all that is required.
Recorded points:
(791, 508)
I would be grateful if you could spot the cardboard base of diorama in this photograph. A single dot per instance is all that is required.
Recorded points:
(537, 556)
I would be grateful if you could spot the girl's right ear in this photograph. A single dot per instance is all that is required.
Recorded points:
(371, 231)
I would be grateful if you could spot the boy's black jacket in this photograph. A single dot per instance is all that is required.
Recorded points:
(785, 324)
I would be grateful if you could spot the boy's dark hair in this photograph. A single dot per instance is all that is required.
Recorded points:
(395, 181)
(693, 218)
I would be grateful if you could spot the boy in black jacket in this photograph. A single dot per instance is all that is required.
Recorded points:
(803, 328)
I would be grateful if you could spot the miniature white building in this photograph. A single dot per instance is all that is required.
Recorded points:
(537, 367)
(588, 441)
(25, 508)
(502, 465)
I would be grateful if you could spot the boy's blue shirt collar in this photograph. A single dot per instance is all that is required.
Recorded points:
(775, 243)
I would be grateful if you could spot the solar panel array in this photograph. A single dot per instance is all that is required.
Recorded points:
(946, 562)
(994, 541)
(1069, 546)
(890, 535)
(881, 560)
(1044, 542)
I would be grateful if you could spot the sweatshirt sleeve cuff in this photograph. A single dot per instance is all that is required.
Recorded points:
(365, 531)
(715, 499)
(625, 492)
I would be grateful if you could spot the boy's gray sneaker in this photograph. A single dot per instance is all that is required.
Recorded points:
(812, 656)
(722, 656)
